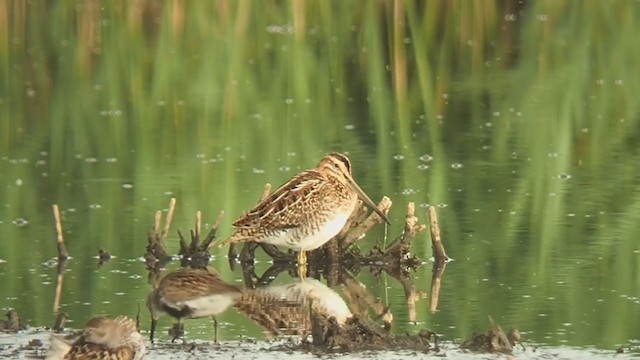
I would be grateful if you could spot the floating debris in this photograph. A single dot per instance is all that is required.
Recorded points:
(13, 323)
(196, 255)
(360, 334)
(103, 256)
(494, 341)
(61, 321)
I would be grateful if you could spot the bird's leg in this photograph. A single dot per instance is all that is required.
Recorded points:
(153, 328)
(302, 264)
(178, 330)
(215, 329)
(302, 257)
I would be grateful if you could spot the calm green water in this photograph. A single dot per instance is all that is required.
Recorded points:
(519, 122)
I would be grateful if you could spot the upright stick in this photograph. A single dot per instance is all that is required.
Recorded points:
(62, 258)
(62, 250)
(438, 249)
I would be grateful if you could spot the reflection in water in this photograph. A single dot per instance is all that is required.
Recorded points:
(285, 309)
(300, 307)
(63, 256)
(494, 341)
(395, 260)
(361, 300)
(436, 282)
(516, 124)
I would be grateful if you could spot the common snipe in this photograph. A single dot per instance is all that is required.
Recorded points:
(191, 293)
(285, 308)
(307, 211)
(102, 338)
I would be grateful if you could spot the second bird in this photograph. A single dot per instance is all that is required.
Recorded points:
(191, 293)
(307, 211)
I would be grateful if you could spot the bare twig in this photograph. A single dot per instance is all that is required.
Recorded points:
(265, 191)
(156, 221)
(356, 218)
(400, 247)
(62, 250)
(411, 227)
(196, 255)
(360, 300)
(206, 244)
(183, 242)
(167, 225)
(58, 295)
(198, 223)
(62, 258)
(436, 281)
(365, 226)
(156, 256)
(438, 250)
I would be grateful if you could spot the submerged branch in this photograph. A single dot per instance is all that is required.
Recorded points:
(156, 256)
(494, 341)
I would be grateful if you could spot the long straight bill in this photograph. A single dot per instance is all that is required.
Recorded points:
(368, 201)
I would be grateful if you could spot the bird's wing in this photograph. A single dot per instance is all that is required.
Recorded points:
(188, 284)
(288, 206)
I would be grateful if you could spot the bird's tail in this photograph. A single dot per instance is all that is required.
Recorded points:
(222, 242)
(231, 239)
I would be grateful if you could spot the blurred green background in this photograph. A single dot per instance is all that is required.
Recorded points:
(518, 120)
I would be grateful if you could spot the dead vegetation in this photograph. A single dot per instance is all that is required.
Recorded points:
(12, 323)
(494, 340)
(196, 253)
(338, 261)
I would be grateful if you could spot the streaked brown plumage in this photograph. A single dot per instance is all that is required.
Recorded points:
(307, 211)
(102, 338)
(285, 309)
(191, 293)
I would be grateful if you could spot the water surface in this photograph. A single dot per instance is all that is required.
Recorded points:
(517, 121)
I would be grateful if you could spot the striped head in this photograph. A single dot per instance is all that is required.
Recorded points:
(111, 333)
(114, 334)
(338, 166)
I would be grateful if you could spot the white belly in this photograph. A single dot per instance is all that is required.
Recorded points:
(211, 305)
(311, 291)
(291, 238)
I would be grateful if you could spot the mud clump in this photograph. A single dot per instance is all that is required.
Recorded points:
(494, 341)
(13, 323)
(362, 334)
